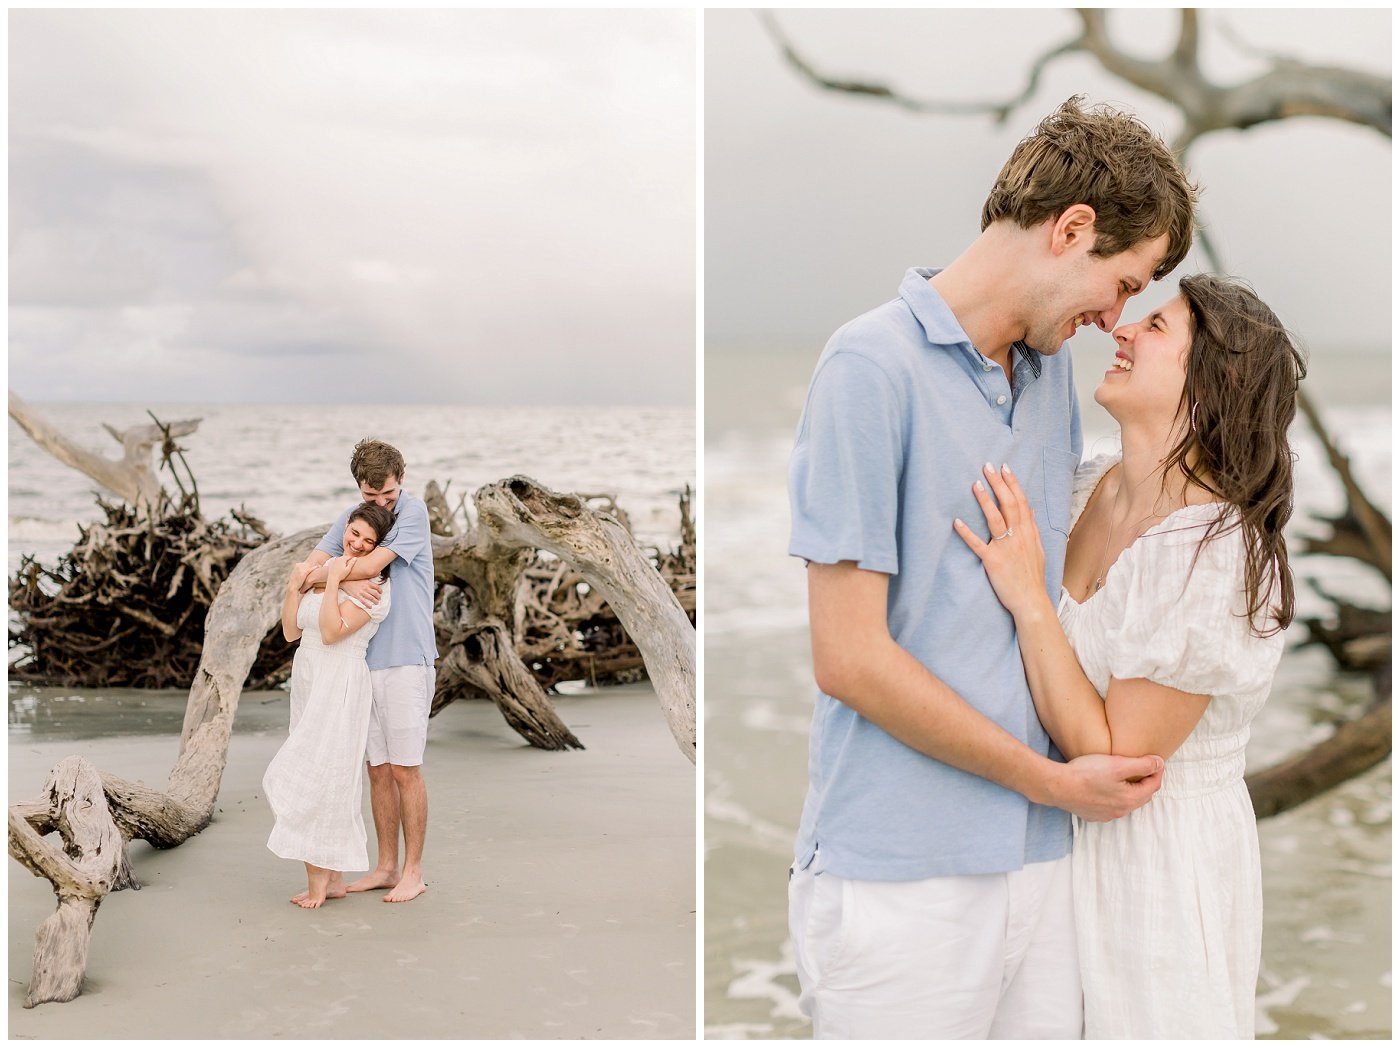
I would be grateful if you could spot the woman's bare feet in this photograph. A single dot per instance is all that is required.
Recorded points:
(335, 888)
(374, 879)
(317, 883)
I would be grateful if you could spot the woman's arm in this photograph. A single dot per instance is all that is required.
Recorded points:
(337, 620)
(1137, 716)
(291, 600)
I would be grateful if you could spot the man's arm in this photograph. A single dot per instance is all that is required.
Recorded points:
(366, 567)
(858, 663)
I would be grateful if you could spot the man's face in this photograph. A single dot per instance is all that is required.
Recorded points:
(384, 496)
(1087, 289)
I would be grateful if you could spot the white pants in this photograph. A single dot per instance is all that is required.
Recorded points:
(985, 956)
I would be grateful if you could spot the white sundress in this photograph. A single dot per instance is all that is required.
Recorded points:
(1168, 901)
(314, 783)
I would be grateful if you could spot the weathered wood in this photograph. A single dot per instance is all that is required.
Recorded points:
(485, 658)
(91, 863)
(131, 477)
(1355, 747)
(521, 512)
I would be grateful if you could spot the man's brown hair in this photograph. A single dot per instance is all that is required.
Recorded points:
(374, 462)
(1109, 160)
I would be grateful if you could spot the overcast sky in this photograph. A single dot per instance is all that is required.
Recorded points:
(816, 202)
(476, 207)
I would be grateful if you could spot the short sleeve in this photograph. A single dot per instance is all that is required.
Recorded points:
(410, 534)
(381, 610)
(843, 478)
(333, 542)
(376, 613)
(1184, 626)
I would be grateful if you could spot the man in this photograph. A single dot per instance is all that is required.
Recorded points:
(401, 657)
(930, 895)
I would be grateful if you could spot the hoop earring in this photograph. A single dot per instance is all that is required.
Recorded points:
(1194, 406)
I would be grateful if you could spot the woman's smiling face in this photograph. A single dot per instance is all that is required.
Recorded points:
(1149, 368)
(359, 538)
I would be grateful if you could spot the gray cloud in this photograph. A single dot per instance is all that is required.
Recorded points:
(204, 203)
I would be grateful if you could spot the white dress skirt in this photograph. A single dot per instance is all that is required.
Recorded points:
(1168, 901)
(315, 782)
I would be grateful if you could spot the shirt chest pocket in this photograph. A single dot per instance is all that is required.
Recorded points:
(1055, 492)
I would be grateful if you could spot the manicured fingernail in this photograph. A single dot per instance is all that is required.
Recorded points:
(978, 485)
(957, 522)
(988, 467)
(1006, 469)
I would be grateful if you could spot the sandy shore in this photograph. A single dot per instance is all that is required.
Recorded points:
(561, 900)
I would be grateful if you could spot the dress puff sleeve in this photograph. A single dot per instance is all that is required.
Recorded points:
(1183, 625)
(380, 610)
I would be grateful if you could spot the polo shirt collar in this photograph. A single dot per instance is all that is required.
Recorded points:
(941, 328)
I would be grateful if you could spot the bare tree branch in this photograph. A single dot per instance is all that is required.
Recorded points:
(998, 110)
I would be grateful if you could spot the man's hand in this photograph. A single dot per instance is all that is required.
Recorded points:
(366, 591)
(1101, 788)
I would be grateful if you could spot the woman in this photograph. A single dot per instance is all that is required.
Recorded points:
(1165, 641)
(313, 784)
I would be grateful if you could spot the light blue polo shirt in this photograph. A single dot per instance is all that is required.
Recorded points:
(901, 414)
(406, 637)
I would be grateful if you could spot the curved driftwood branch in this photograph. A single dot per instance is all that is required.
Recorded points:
(1355, 747)
(520, 512)
(131, 477)
(97, 816)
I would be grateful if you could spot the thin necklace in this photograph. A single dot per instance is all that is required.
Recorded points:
(1108, 540)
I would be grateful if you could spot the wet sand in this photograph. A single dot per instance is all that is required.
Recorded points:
(561, 900)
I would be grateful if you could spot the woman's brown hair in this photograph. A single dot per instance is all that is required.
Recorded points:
(1242, 375)
(378, 518)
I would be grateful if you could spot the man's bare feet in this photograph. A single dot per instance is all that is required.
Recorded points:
(408, 889)
(374, 879)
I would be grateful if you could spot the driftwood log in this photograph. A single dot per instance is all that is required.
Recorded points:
(131, 477)
(96, 815)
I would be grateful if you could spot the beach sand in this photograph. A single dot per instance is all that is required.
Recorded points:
(561, 900)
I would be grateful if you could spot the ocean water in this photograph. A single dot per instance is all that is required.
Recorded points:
(1327, 865)
(290, 466)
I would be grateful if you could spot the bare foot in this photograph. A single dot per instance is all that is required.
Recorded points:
(407, 889)
(316, 881)
(374, 879)
(335, 889)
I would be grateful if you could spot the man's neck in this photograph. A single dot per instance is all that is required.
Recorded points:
(977, 293)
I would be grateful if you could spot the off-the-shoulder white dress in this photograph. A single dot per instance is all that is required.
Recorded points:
(315, 783)
(1168, 900)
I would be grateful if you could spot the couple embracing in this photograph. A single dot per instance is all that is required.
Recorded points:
(362, 687)
(1026, 814)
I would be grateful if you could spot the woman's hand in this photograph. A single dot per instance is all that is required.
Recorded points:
(339, 567)
(1013, 557)
(299, 573)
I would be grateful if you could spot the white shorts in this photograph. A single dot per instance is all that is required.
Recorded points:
(985, 956)
(398, 719)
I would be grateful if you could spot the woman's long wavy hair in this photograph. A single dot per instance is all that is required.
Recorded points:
(1242, 375)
